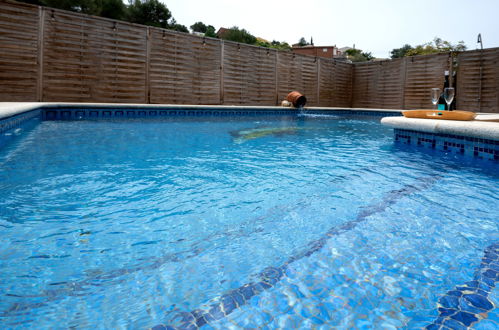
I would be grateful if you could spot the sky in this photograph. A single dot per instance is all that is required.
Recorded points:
(377, 26)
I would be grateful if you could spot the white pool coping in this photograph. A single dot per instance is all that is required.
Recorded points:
(475, 128)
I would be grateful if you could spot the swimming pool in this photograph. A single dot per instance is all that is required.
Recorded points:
(242, 221)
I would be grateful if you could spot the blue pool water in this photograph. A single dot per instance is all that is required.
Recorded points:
(291, 222)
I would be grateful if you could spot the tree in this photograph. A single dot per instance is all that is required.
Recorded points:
(208, 30)
(437, 45)
(274, 44)
(357, 55)
(199, 27)
(239, 35)
(149, 12)
(280, 45)
(368, 56)
(173, 25)
(400, 52)
(302, 42)
(114, 9)
(91, 7)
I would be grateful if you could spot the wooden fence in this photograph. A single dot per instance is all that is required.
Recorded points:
(53, 55)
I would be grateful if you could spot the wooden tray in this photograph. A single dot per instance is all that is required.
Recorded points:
(440, 114)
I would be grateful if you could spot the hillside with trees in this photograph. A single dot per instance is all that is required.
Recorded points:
(437, 45)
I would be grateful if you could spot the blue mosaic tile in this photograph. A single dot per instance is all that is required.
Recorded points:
(16, 121)
(76, 113)
(465, 145)
(467, 304)
(248, 293)
(13, 126)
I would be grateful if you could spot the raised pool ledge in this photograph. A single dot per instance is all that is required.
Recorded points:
(477, 138)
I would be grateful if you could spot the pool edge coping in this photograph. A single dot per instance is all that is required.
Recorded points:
(9, 109)
(476, 129)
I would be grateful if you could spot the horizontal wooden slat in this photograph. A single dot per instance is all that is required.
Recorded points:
(91, 59)
(18, 51)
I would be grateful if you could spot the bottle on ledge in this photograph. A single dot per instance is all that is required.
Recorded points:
(442, 105)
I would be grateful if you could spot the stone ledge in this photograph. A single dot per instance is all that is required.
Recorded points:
(475, 128)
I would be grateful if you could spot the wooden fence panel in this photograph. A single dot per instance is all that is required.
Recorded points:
(240, 82)
(390, 84)
(249, 75)
(473, 94)
(88, 59)
(19, 28)
(184, 69)
(55, 55)
(266, 72)
(422, 74)
(298, 72)
(342, 85)
(365, 88)
(326, 82)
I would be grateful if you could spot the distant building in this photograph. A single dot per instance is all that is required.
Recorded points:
(318, 51)
(222, 32)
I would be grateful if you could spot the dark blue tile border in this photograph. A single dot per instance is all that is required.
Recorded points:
(117, 113)
(10, 126)
(270, 276)
(466, 145)
(83, 113)
(466, 304)
(352, 112)
(16, 121)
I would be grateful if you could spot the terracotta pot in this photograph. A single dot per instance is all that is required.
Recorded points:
(297, 99)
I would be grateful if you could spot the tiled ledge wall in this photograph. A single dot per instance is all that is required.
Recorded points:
(469, 146)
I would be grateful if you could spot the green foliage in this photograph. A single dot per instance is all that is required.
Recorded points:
(436, 46)
(199, 27)
(149, 12)
(208, 30)
(368, 56)
(114, 9)
(353, 52)
(173, 25)
(433, 47)
(302, 42)
(400, 52)
(357, 55)
(91, 7)
(280, 45)
(274, 44)
(239, 35)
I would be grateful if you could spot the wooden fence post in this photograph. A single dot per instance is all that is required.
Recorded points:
(41, 28)
(404, 77)
(352, 80)
(276, 73)
(318, 64)
(148, 63)
(222, 50)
